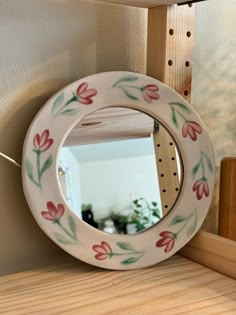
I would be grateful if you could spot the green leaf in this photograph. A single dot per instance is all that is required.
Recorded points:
(157, 213)
(57, 103)
(136, 211)
(209, 163)
(130, 260)
(46, 165)
(72, 225)
(125, 246)
(140, 227)
(154, 203)
(174, 118)
(60, 238)
(131, 96)
(177, 219)
(127, 78)
(195, 169)
(180, 105)
(69, 112)
(29, 168)
(193, 225)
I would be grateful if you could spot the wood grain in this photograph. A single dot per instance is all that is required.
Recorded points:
(170, 45)
(212, 251)
(227, 200)
(140, 3)
(166, 161)
(110, 124)
(176, 286)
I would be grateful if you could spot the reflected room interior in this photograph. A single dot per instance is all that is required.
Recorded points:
(120, 170)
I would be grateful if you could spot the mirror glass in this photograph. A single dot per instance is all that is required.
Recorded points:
(120, 170)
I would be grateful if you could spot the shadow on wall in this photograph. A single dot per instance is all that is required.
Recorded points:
(44, 46)
(119, 41)
(23, 245)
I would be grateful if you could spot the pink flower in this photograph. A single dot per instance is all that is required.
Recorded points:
(150, 93)
(167, 240)
(43, 142)
(201, 188)
(191, 128)
(84, 94)
(103, 251)
(54, 213)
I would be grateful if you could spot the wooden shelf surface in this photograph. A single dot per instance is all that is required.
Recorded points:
(175, 286)
(140, 3)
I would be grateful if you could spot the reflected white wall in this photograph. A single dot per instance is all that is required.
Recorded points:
(71, 186)
(111, 185)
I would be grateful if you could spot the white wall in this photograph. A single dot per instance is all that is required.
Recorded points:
(113, 184)
(44, 46)
(70, 182)
(214, 74)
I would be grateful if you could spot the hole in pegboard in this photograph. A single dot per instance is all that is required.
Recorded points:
(170, 62)
(166, 206)
(185, 92)
(160, 160)
(171, 143)
(174, 174)
(171, 31)
(187, 64)
(162, 175)
(176, 189)
(173, 158)
(163, 190)
(158, 145)
(188, 34)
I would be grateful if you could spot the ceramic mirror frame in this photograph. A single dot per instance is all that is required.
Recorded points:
(47, 134)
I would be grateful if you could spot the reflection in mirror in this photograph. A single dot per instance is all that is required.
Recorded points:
(119, 170)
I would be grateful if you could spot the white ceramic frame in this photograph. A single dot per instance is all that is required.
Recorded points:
(49, 130)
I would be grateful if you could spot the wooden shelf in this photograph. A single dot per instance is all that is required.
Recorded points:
(140, 3)
(175, 286)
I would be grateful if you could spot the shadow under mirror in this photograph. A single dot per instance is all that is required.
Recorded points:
(120, 171)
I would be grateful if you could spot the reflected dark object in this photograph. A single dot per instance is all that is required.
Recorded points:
(87, 215)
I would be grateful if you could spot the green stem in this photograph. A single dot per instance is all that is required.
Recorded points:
(65, 230)
(34, 181)
(73, 99)
(38, 153)
(187, 221)
(202, 166)
(180, 114)
(177, 233)
(127, 253)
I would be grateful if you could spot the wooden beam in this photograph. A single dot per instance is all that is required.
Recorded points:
(140, 3)
(227, 200)
(170, 45)
(169, 59)
(212, 251)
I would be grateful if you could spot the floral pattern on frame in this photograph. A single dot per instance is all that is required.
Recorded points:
(53, 214)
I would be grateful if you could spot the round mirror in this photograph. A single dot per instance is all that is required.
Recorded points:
(119, 170)
(80, 110)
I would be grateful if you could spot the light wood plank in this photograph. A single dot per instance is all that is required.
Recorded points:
(227, 201)
(212, 251)
(140, 3)
(168, 175)
(170, 45)
(110, 124)
(169, 59)
(176, 286)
